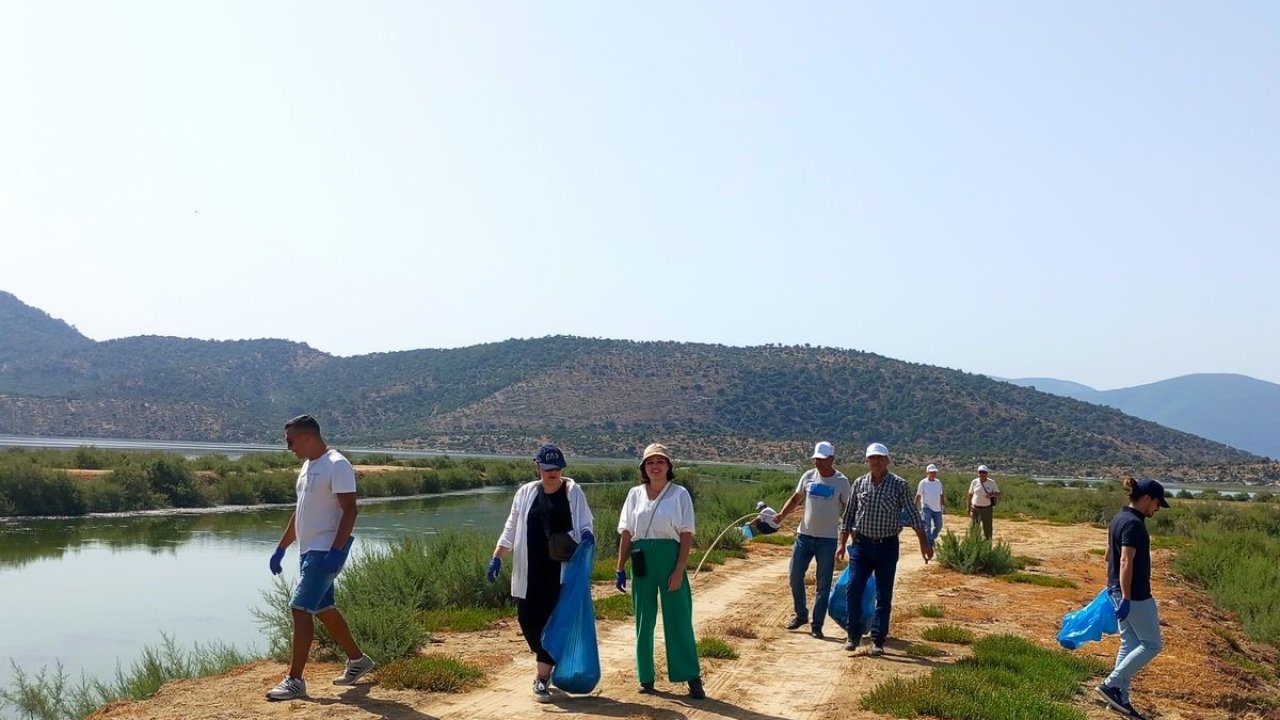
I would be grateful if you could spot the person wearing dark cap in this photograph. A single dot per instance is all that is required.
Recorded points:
(549, 516)
(1129, 585)
(655, 531)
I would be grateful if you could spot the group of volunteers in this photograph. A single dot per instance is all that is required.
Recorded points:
(859, 519)
(863, 519)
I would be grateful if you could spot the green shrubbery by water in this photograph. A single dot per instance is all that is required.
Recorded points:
(37, 482)
(52, 694)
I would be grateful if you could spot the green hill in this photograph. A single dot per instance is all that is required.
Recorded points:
(598, 397)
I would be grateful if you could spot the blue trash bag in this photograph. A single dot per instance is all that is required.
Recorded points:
(570, 634)
(1089, 625)
(838, 608)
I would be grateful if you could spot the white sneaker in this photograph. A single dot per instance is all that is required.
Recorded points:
(876, 649)
(356, 669)
(290, 688)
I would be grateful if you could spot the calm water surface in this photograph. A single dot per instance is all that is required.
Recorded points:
(88, 592)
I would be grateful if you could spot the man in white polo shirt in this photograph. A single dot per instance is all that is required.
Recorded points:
(929, 498)
(983, 493)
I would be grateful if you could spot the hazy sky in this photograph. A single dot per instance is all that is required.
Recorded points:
(1081, 190)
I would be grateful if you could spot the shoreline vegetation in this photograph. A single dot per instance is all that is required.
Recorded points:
(397, 597)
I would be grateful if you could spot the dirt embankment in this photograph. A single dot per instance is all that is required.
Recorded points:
(782, 674)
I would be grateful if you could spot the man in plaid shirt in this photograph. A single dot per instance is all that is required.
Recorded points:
(873, 518)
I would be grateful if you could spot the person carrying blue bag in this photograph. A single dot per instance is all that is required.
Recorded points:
(872, 522)
(570, 635)
(1098, 618)
(1129, 588)
(838, 605)
(549, 517)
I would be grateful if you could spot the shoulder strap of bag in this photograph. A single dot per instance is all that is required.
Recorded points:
(656, 504)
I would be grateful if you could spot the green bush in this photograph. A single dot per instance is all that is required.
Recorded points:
(52, 695)
(1007, 678)
(614, 607)
(932, 611)
(467, 619)
(714, 647)
(1035, 579)
(975, 554)
(948, 633)
(924, 650)
(431, 673)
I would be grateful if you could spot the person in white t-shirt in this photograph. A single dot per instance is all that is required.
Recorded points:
(930, 498)
(767, 522)
(824, 493)
(983, 493)
(321, 523)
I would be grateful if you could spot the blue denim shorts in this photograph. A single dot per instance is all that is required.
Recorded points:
(314, 593)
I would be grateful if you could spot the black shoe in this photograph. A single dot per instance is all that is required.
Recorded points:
(646, 689)
(540, 691)
(695, 689)
(1116, 701)
(796, 622)
(817, 632)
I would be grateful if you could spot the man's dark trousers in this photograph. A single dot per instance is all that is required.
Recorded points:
(870, 555)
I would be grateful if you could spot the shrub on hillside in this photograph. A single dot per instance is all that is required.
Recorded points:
(975, 554)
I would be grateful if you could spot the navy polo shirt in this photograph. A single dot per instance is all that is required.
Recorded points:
(1129, 527)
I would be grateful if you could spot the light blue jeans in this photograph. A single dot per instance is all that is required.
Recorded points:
(1140, 642)
(932, 523)
(807, 549)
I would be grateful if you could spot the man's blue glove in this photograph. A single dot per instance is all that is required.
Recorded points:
(1122, 610)
(620, 581)
(333, 561)
(587, 536)
(495, 567)
(276, 557)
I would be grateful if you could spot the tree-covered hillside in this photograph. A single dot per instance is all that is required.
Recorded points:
(599, 397)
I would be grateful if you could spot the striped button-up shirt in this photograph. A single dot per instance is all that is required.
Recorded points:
(876, 511)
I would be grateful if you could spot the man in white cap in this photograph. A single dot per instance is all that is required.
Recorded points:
(931, 501)
(873, 521)
(824, 492)
(767, 522)
(983, 493)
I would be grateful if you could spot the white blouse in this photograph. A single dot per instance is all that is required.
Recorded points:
(515, 533)
(662, 518)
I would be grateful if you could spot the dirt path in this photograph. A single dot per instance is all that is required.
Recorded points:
(779, 674)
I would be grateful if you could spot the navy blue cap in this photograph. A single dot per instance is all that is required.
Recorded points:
(549, 457)
(1151, 488)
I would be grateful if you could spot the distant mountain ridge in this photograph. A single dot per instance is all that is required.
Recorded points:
(1237, 410)
(597, 397)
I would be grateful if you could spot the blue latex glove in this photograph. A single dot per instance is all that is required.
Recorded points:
(333, 561)
(1122, 610)
(587, 536)
(276, 557)
(620, 581)
(495, 567)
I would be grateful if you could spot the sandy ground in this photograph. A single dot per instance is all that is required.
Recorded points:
(782, 674)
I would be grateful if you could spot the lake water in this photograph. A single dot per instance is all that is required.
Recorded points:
(88, 592)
